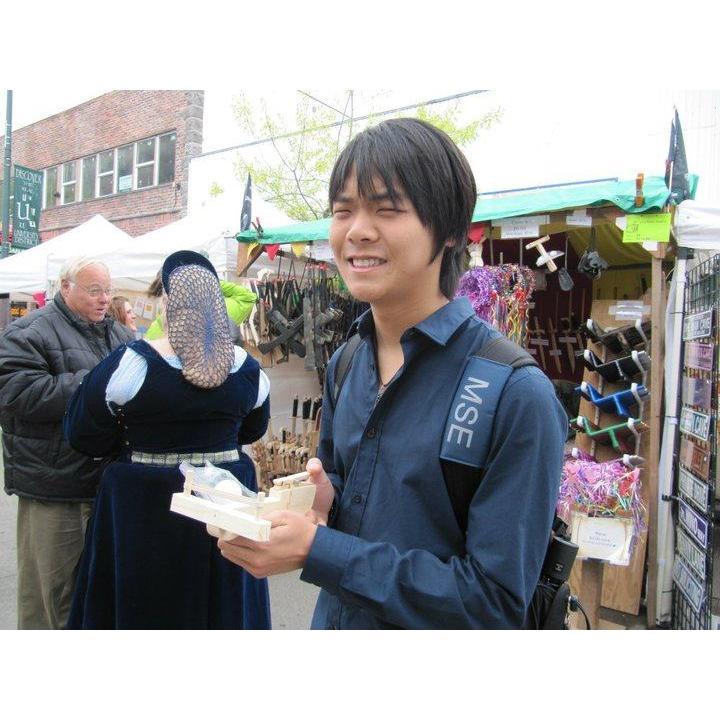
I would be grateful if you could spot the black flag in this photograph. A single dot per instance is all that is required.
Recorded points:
(676, 167)
(246, 213)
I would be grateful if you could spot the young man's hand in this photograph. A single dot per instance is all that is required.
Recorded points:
(291, 537)
(324, 490)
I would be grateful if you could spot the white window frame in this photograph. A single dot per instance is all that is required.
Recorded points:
(132, 171)
(45, 172)
(82, 177)
(157, 157)
(98, 174)
(153, 162)
(68, 182)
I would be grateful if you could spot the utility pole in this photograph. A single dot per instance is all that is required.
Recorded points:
(5, 249)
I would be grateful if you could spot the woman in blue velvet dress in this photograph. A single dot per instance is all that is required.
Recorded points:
(149, 406)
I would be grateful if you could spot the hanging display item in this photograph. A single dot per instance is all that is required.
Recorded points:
(695, 597)
(546, 258)
(694, 458)
(500, 295)
(622, 339)
(591, 263)
(619, 403)
(625, 368)
(695, 423)
(622, 436)
(699, 356)
(304, 313)
(698, 325)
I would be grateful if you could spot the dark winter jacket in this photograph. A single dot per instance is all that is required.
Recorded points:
(43, 358)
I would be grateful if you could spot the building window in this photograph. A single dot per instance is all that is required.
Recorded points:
(89, 179)
(69, 182)
(166, 161)
(142, 164)
(106, 173)
(125, 168)
(51, 175)
(146, 162)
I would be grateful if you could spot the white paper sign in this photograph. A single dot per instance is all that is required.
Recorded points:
(579, 218)
(521, 227)
(139, 307)
(601, 538)
(320, 251)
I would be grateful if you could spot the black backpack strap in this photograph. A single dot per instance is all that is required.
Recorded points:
(461, 480)
(506, 352)
(343, 364)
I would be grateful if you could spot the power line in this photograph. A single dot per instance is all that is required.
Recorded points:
(434, 101)
(320, 102)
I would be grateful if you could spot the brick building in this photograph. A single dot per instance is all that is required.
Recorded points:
(125, 155)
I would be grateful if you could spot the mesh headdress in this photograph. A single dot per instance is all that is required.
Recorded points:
(197, 320)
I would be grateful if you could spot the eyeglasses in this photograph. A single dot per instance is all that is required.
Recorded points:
(95, 291)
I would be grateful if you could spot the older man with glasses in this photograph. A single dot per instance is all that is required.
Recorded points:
(43, 358)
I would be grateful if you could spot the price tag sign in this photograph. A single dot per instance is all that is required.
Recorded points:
(651, 227)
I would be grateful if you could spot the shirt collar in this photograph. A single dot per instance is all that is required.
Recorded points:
(439, 327)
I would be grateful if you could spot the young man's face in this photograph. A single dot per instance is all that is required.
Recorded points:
(383, 251)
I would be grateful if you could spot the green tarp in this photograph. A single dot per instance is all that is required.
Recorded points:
(548, 200)
(621, 194)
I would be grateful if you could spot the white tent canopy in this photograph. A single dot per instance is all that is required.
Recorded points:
(136, 264)
(210, 229)
(697, 226)
(30, 271)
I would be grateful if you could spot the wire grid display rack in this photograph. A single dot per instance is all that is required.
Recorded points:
(696, 460)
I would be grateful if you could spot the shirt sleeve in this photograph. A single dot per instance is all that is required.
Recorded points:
(89, 426)
(256, 421)
(239, 300)
(126, 380)
(509, 524)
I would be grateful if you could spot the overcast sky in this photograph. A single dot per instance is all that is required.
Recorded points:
(540, 139)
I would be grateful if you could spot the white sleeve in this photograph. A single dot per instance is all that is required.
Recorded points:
(128, 378)
(263, 389)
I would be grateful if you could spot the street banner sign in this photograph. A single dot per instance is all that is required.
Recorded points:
(26, 207)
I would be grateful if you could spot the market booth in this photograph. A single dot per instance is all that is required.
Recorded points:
(577, 274)
(35, 270)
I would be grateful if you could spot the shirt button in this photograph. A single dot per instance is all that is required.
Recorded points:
(371, 432)
(357, 499)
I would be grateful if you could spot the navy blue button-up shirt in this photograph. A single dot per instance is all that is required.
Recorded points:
(393, 554)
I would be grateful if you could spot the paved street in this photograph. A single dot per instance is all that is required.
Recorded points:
(291, 600)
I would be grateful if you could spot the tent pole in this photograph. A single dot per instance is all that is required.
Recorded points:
(657, 315)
